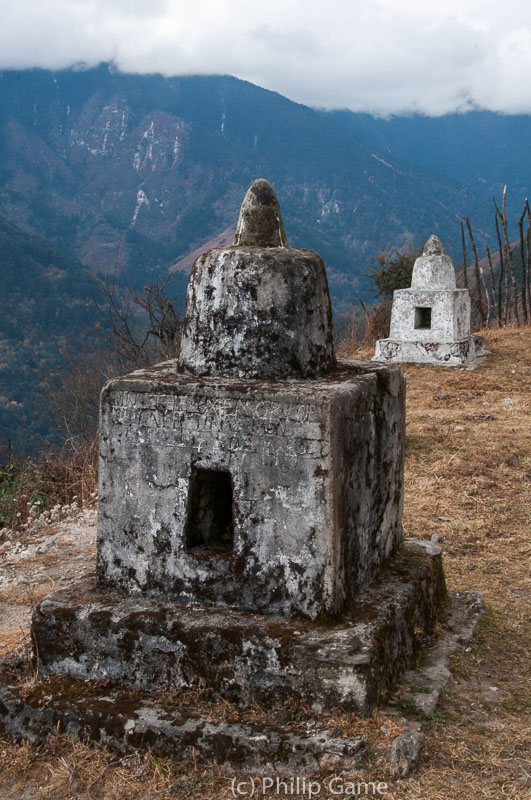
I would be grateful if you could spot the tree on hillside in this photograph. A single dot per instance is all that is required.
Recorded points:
(138, 329)
(392, 269)
(145, 327)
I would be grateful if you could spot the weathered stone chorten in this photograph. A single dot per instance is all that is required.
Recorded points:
(250, 502)
(430, 321)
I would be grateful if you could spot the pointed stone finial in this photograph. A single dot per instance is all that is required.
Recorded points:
(433, 247)
(260, 221)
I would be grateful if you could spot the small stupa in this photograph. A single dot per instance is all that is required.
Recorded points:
(430, 321)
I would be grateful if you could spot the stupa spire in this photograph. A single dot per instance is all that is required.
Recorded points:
(260, 221)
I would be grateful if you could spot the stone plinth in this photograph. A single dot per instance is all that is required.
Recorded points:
(430, 322)
(448, 317)
(445, 353)
(350, 662)
(260, 496)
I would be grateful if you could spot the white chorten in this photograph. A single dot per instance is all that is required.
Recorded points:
(430, 321)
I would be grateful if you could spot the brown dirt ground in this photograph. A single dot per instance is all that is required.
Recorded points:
(468, 480)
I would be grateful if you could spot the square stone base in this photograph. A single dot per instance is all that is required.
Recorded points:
(447, 310)
(259, 496)
(447, 353)
(352, 661)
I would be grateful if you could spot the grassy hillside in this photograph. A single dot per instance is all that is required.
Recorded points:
(468, 481)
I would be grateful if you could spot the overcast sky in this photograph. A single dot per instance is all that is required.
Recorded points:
(382, 56)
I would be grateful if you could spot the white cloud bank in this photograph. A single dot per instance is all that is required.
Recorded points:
(382, 56)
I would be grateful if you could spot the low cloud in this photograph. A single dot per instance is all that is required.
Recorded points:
(381, 56)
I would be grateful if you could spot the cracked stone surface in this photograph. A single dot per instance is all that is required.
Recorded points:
(311, 520)
(350, 662)
(126, 721)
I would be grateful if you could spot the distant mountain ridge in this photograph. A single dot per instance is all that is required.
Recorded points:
(146, 169)
(46, 302)
(481, 149)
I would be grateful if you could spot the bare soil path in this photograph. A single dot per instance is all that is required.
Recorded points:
(44, 559)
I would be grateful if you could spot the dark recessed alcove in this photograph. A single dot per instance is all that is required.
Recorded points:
(209, 524)
(422, 318)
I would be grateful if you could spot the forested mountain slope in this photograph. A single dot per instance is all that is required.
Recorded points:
(146, 169)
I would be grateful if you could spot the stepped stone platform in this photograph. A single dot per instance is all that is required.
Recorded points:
(126, 721)
(172, 724)
(351, 662)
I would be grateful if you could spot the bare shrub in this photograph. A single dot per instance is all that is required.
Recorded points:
(144, 327)
(74, 391)
(502, 291)
(378, 322)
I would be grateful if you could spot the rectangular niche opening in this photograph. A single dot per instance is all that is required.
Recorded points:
(422, 318)
(209, 527)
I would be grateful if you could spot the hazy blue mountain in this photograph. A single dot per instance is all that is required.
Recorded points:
(146, 169)
(480, 149)
(46, 305)
(105, 171)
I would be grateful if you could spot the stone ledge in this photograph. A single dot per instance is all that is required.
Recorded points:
(443, 353)
(130, 720)
(351, 662)
(421, 687)
(126, 721)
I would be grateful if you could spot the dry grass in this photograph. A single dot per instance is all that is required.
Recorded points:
(29, 488)
(468, 480)
(468, 477)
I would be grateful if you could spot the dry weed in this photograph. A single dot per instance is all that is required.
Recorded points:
(48, 487)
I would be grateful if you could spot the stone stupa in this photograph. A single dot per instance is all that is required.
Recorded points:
(430, 321)
(250, 512)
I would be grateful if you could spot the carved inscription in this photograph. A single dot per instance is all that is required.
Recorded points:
(161, 410)
(267, 427)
